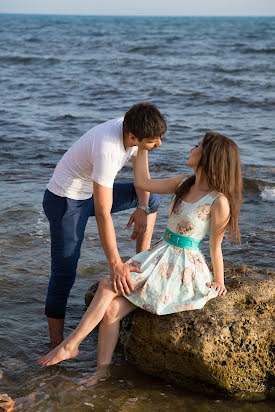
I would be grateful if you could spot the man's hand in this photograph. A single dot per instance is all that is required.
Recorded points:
(139, 218)
(120, 277)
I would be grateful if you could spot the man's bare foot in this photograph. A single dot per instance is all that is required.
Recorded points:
(62, 352)
(102, 373)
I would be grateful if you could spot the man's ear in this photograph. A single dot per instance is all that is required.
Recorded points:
(132, 138)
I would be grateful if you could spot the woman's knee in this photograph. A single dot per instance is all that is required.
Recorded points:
(104, 284)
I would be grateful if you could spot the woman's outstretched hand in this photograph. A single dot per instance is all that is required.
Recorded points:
(219, 287)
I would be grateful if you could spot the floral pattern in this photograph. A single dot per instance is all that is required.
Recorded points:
(199, 263)
(184, 306)
(203, 211)
(177, 250)
(187, 276)
(134, 263)
(140, 286)
(185, 228)
(174, 279)
(166, 269)
(148, 308)
(156, 260)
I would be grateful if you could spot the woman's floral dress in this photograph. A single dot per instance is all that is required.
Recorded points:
(174, 279)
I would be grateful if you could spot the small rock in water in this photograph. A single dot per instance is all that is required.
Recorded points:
(6, 403)
(25, 403)
(13, 364)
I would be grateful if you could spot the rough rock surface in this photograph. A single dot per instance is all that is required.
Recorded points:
(6, 403)
(226, 345)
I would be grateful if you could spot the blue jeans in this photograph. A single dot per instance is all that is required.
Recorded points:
(68, 219)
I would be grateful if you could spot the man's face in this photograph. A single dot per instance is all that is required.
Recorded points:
(149, 143)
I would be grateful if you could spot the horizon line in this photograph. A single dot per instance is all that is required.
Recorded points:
(135, 15)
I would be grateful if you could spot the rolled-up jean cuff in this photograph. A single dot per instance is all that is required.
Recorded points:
(154, 202)
(54, 315)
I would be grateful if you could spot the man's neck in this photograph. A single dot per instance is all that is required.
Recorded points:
(126, 140)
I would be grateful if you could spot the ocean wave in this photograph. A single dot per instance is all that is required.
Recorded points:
(64, 117)
(260, 188)
(28, 59)
(33, 40)
(153, 49)
(268, 194)
(219, 69)
(267, 103)
(250, 50)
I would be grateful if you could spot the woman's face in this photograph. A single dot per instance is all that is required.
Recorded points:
(195, 156)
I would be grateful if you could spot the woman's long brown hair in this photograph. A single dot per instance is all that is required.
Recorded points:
(220, 162)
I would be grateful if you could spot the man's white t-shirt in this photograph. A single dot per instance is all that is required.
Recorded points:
(97, 156)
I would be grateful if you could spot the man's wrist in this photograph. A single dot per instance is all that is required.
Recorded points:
(146, 209)
(116, 262)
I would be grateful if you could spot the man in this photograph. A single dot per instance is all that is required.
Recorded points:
(83, 185)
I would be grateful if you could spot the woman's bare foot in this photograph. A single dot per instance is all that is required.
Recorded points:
(101, 373)
(62, 352)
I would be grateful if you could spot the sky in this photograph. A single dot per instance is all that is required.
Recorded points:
(142, 7)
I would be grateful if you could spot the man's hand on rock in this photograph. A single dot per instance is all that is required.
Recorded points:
(218, 287)
(121, 279)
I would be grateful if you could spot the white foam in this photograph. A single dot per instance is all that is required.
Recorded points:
(268, 194)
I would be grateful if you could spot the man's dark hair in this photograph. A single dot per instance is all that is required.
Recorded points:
(144, 120)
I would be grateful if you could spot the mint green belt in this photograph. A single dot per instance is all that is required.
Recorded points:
(181, 241)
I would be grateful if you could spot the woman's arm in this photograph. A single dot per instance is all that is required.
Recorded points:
(144, 182)
(220, 213)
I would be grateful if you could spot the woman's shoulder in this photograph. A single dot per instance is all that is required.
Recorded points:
(221, 204)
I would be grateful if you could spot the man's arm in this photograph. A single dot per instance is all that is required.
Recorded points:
(142, 195)
(119, 271)
(139, 217)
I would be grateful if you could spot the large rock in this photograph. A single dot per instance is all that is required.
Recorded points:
(226, 345)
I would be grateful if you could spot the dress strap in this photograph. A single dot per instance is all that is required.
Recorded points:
(211, 197)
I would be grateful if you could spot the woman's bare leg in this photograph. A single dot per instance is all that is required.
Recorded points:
(108, 336)
(95, 312)
(109, 328)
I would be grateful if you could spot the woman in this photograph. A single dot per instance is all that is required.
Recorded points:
(174, 275)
